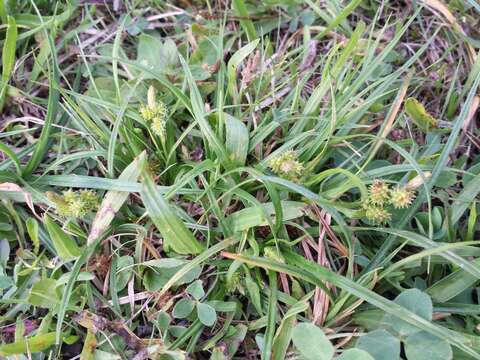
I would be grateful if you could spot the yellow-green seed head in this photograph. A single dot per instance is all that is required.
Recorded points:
(158, 126)
(232, 282)
(377, 215)
(401, 197)
(69, 196)
(379, 192)
(286, 165)
(77, 208)
(74, 203)
(89, 198)
(147, 113)
(272, 252)
(155, 112)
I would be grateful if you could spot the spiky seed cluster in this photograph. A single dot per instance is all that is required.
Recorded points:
(155, 112)
(401, 197)
(272, 252)
(379, 192)
(233, 282)
(377, 214)
(74, 203)
(380, 197)
(286, 165)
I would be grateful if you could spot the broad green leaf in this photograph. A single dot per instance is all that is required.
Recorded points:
(175, 234)
(233, 64)
(152, 53)
(418, 303)
(254, 293)
(196, 290)
(43, 294)
(114, 200)
(33, 344)
(419, 115)
(206, 314)
(65, 247)
(161, 271)
(380, 344)
(255, 216)
(236, 140)
(311, 342)
(424, 346)
(83, 276)
(183, 308)
(32, 229)
(284, 332)
(3, 12)
(124, 271)
(356, 354)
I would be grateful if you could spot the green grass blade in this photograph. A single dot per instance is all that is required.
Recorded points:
(175, 234)
(41, 146)
(8, 57)
(241, 10)
(317, 275)
(232, 66)
(198, 112)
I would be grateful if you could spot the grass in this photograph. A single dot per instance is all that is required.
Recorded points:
(239, 180)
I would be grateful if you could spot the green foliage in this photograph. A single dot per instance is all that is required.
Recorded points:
(311, 342)
(185, 180)
(380, 344)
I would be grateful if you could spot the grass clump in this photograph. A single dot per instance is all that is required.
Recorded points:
(239, 180)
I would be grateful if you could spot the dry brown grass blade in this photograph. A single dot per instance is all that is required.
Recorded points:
(441, 8)
(393, 115)
(11, 187)
(321, 301)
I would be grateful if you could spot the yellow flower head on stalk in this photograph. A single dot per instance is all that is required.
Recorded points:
(401, 197)
(155, 112)
(74, 203)
(379, 192)
(377, 214)
(286, 165)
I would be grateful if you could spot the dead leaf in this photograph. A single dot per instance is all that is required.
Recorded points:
(15, 188)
